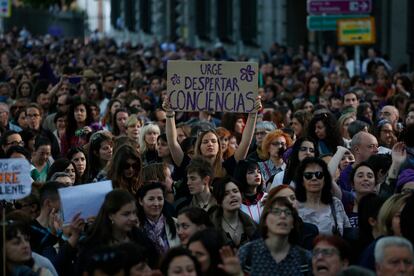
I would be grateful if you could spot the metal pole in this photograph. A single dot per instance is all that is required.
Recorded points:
(357, 57)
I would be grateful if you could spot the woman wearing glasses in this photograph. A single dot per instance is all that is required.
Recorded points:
(317, 205)
(274, 145)
(277, 252)
(303, 147)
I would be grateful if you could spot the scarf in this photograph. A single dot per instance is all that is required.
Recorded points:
(155, 231)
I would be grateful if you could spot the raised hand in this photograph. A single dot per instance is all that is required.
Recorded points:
(230, 262)
(398, 153)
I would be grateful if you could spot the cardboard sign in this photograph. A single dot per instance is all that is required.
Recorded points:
(212, 86)
(86, 199)
(15, 180)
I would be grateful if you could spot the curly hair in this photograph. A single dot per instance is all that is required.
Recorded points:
(269, 138)
(333, 139)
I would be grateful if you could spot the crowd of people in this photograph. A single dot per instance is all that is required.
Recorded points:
(316, 180)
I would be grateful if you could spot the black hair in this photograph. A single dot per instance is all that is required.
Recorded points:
(356, 126)
(177, 252)
(362, 164)
(333, 138)
(240, 173)
(300, 191)
(106, 259)
(219, 187)
(407, 223)
(49, 191)
(196, 215)
(115, 129)
(368, 207)
(380, 163)
(5, 135)
(60, 165)
(18, 149)
(41, 141)
(133, 255)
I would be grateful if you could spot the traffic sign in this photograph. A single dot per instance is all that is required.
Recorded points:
(327, 22)
(339, 6)
(356, 31)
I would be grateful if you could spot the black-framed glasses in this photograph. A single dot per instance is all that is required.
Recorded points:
(279, 211)
(309, 175)
(325, 252)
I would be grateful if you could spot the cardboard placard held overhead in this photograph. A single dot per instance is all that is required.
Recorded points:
(212, 86)
(15, 180)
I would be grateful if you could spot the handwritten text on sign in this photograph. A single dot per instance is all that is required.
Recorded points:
(212, 86)
(15, 180)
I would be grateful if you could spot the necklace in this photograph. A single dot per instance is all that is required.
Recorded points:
(231, 227)
(203, 205)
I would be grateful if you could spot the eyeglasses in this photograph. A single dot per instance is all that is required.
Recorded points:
(278, 211)
(311, 150)
(278, 144)
(309, 175)
(325, 252)
(15, 143)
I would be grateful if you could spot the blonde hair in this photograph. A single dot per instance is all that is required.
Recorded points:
(342, 119)
(132, 121)
(145, 129)
(387, 212)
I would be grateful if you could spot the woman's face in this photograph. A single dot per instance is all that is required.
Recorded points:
(348, 121)
(233, 143)
(306, 149)
(25, 90)
(22, 120)
(72, 173)
(151, 137)
(115, 106)
(315, 182)
(276, 145)
(395, 223)
(368, 113)
(80, 162)
(121, 118)
(162, 148)
(93, 92)
(152, 203)
(308, 107)
(130, 168)
(289, 195)
(200, 252)
(182, 266)
(296, 126)
(254, 177)
(387, 136)
(126, 218)
(224, 142)
(80, 113)
(105, 151)
(135, 103)
(18, 249)
(239, 126)
(313, 85)
(364, 180)
(186, 228)
(209, 146)
(232, 197)
(279, 221)
(320, 130)
(347, 159)
(180, 135)
(133, 131)
(61, 123)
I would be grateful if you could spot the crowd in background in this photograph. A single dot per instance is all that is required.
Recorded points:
(316, 180)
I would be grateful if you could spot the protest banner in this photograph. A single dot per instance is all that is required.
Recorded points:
(84, 199)
(15, 180)
(215, 86)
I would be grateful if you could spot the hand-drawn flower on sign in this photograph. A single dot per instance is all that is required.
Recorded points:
(175, 79)
(247, 73)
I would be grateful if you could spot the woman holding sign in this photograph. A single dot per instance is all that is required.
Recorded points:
(208, 143)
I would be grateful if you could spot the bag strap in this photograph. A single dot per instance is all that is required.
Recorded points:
(333, 210)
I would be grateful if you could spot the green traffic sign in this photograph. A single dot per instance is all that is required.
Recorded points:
(327, 22)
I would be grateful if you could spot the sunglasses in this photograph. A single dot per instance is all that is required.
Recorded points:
(309, 175)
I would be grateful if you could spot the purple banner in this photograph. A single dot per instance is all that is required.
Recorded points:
(339, 6)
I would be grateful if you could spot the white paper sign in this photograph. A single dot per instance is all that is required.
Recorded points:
(86, 199)
(212, 85)
(15, 180)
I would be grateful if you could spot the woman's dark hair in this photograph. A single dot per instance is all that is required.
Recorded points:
(70, 155)
(333, 139)
(107, 259)
(219, 187)
(162, 137)
(340, 244)
(93, 153)
(177, 252)
(101, 230)
(326, 196)
(362, 107)
(115, 129)
(41, 141)
(142, 191)
(368, 207)
(294, 235)
(27, 135)
(354, 170)
(407, 223)
(98, 85)
(18, 149)
(293, 161)
(188, 143)
(59, 115)
(133, 255)
(196, 215)
(240, 173)
(107, 118)
(72, 125)
(321, 84)
(212, 241)
(60, 165)
(116, 170)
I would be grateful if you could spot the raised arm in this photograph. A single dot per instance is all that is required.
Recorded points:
(336, 159)
(248, 132)
(177, 153)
